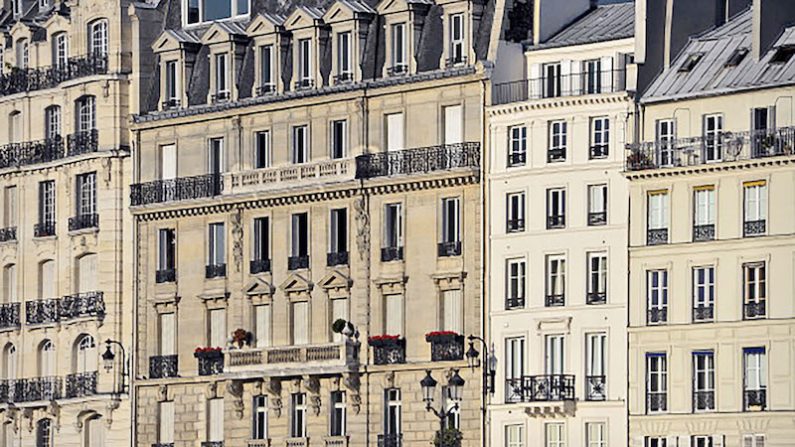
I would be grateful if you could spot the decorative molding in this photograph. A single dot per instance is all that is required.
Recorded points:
(362, 226)
(237, 238)
(336, 284)
(710, 168)
(390, 285)
(449, 281)
(554, 324)
(297, 287)
(558, 102)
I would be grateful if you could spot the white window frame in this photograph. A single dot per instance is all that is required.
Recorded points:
(555, 434)
(713, 137)
(703, 375)
(262, 155)
(86, 185)
(514, 435)
(202, 20)
(516, 279)
(304, 65)
(558, 140)
(339, 413)
(704, 286)
(755, 289)
(393, 234)
(399, 50)
(60, 52)
(592, 76)
(393, 412)
(551, 80)
(52, 122)
(704, 206)
(755, 202)
(657, 295)
(300, 144)
(517, 145)
(172, 92)
(338, 137)
(265, 68)
(457, 36)
(657, 210)
(345, 56)
(221, 61)
(657, 372)
(754, 369)
(98, 43)
(600, 137)
(298, 415)
(515, 211)
(556, 205)
(596, 434)
(259, 423)
(555, 275)
(598, 276)
(665, 138)
(216, 244)
(451, 231)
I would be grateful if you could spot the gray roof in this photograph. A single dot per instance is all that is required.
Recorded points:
(358, 6)
(603, 23)
(711, 76)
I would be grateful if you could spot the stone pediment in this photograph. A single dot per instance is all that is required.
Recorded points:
(344, 10)
(265, 24)
(302, 17)
(394, 6)
(56, 23)
(218, 33)
(296, 284)
(336, 283)
(258, 287)
(21, 30)
(171, 41)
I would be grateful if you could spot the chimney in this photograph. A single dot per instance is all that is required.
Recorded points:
(771, 17)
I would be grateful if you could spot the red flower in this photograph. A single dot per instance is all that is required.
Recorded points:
(383, 337)
(201, 349)
(441, 334)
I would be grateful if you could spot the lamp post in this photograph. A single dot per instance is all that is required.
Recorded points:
(489, 368)
(455, 389)
(109, 358)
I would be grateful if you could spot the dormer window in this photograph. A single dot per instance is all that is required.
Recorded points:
(783, 54)
(266, 84)
(203, 11)
(44, 4)
(172, 85)
(221, 78)
(456, 55)
(344, 58)
(60, 50)
(690, 62)
(304, 63)
(16, 6)
(399, 56)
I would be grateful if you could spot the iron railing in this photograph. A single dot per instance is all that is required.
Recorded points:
(555, 300)
(31, 152)
(599, 151)
(541, 388)
(595, 387)
(754, 310)
(82, 143)
(596, 298)
(447, 249)
(754, 228)
(44, 229)
(20, 80)
(446, 347)
(703, 400)
(8, 234)
(172, 190)
(754, 399)
(9, 315)
(41, 388)
(391, 254)
(515, 225)
(656, 401)
(703, 313)
(42, 311)
(397, 70)
(162, 366)
(555, 155)
(574, 84)
(81, 384)
(389, 352)
(514, 302)
(657, 315)
(259, 266)
(165, 275)
(656, 236)
(210, 363)
(556, 222)
(215, 271)
(79, 305)
(703, 233)
(337, 258)
(297, 262)
(597, 218)
(517, 159)
(418, 161)
(170, 104)
(266, 89)
(390, 440)
(84, 221)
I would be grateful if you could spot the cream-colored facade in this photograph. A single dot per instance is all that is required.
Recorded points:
(557, 235)
(64, 145)
(711, 317)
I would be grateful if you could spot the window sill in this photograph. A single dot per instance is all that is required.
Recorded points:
(83, 231)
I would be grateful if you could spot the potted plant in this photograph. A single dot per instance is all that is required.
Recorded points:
(241, 337)
(379, 341)
(388, 349)
(447, 437)
(205, 352)
(445, 345)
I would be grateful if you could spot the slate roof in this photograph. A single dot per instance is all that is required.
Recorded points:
(358, 6)
(711, 75)
(601, 24)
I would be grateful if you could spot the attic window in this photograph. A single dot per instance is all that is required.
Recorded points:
(736, 57)
(783, 54)
(203, 11)
(691, 62)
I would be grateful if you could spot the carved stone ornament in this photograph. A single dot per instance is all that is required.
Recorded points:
(276, 406)
(389, 379)
(27, 414)
(356, 403)
(162, 393)
(311, 384)
(362, 227)
(211, 391)
(235, 389)
(237, 239)
(315, 404)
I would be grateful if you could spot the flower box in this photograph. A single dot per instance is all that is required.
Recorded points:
(445, 346)
(388, 349)
(211, 360)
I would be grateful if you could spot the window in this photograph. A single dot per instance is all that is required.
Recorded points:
(166, 254)
(655, 441)
(453, 124)
(10, 284)
(703, 293)
(221, 77)
(514, 368)
(168, 336)
(339, 311)
(556, 208)
(735, 58)
(16, 7)
(713, 137)
(261, 245)
(656, 382)
(783, 54)
(657, 296)
(597, 205)
(551, 80)
(299, 231)
(168, 163)
(87, 194)
(703, 381)
(217, 327)
(304, 63)
(452, 311)
(86, 114)
(216, 249)
(10, 209)
(514, 435)
(166, 423)
(595, 366)
(754, 379)
(339, 139)
(172, 86)
(338, 235)
(755, 208)
(60, 50)
(657, 218)
(451, 227)
(399, 57)
(47, 205)
(262, 325)
(393, 419)
(763, 123)
(47, 281)
(557, 141)
(554, 360)
(515, 298)
(596, 432)
(23, 53)
(86, 274)
(98, 45)
(52, 123)
(393, 315)
(344, 57)
(704, 213)
(456, 55)
(753, 440)
(15, 129)
(300, 322)
(300, 144)
(701, 441)
(555, 434)
(754, 289)
(690, 62)
(395, 132)
(600, 137)
(85, 359)
(666, 142)
(260, 422)
(517, 145)
(44, 435)
(262, 149)
(338, 414)
(266, 84)
(215, 420)
(215, 156)
(10, 362)
(393, 231)
(200, 11)
(597, 278)
(515, 220)
(556, 281)
(592, 76)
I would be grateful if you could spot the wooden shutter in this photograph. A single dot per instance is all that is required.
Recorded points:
(394, 314)
(577, 72)
(168, 162)
(218, 327)
(452, 307)
(536, 82)
(394, 132)
(168, 330)
(300, 323)
(262, 315)
(608, 80)
(453, 121)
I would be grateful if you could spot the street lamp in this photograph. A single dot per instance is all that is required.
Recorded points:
(489, 371)
(109, 359)
(455, 391)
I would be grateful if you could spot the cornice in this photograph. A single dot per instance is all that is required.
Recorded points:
(712, 168)
(559, 102)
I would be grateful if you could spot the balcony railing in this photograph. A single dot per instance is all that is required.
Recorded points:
(543, 388)
(20, 80)
(599, 151)
(556, 222)
(555, 300)
(31, 152)
(83, 221)
(448, 249)
(31, 390)
(656, 236)
(212, 444)
(172, 103)
(172, 190)
(220, 97)
(44, 229)
(81, 384)
(304, 174)
(595, 388)
(390, 440)
(703, 233)
(517, 159)
(388, 352)
(515, 225)
(259, 266)
(754, 400)
(297, 262)
(329, 354)
(397, 70)
(446, 347)
(162, 366)
(695, 151)
(391, 254)
(42, 311)
(555, 155)
(266, 89)
(337, 258)
(754, 228)
(597, 218)
(210, 362)
(656, 401)
(343, 78)
(8, 234)
(165, 275)
(9, 315)
(215, 271)
(703, 313)
(82, 143)
(418, 161)
(70, 307)
(514, 302)
(754, 310)
(575, 84)
(703, 400)
(596, 298)
(657, 315)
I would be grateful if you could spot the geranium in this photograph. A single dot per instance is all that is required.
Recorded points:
(442, 334)
(203, 349)
(384, 337)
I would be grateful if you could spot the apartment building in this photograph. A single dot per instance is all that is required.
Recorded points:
(64, 101)
(557, 231)
(299, 165)
(711, 249)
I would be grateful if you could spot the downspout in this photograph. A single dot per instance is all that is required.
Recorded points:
(365, 107)
(485, 222)
(136, 169)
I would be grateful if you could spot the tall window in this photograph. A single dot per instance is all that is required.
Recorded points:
(556, 208)
(666, 142)
(261, 245)
(260, 422)
(266, 84)
(172, 84)
(452, 311)
(596, 433)
(754, 378)
(166, 423)
(399, 57)
(200, 11)
(339, 311)
(394, 313)
(596, 366)
(262, 149)
(657, 296)
(453, 124)
(701, 441)
(23, 52)
(168, 335)
(555, 434)
(262, 325)
(10, 207)
(597, 205)
(47, 202)
(166, 254)
(703, 293)
(393, 409)
(339, 139)
(85, 359)
(344, 57)
(556, 280)
(52, 122)
(592, 76)
(515, 218)
(600, 137)
(753, 440)
(15, 128)
(704, 213)
(754, 290)
(216, 245)
(86, 108)
(713, 137)
(451, 227)
(393, 231)
(44, 432)
(597, 278)
(337, 426)
(517, 145)
(87, 194)
(221, 77)
(514, 435)
(656, 382)
(10, 284)
(215, 420)
(300, 322)
(304, 63)
(338, 234)
(16, 9)
(554, 357)
(551, 80)
(300, 144)
(558, 136)
(98, 31)
(514, 368)
(703, 381)
(215, 156)
(515, 283)
(60, 50)
(655, 441)
(217, 327)
(657, 218)
(457, 55)
(395, 132)
(755, 208)
(47, 281)
(299, 231)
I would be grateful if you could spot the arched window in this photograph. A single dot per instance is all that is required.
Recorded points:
(10, 362)
(85, 358)
(15, 127)
(98, 38)
(23, 53)
(60, 49)
(10, 283)
(47, 280)
(47, 359)
(52, 122)
(94, 432)
(86, 113)
(44, 433)
(86, 273)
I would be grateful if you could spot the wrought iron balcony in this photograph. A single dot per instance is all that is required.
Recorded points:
(703, 313)
(210, 362)
(514, 302)
(303, 84)
(213, 444)
(557, 300)
(555, 155)
(390, 440)
(166, 275)
(391, 254)
(514, 225)
(418, 161)
(215, 271)
(83, 221)
(754, 228)
(220, 97)
(563, 85)
(171, 104)
(389, 351)
(398, 69)
(703, 400)
(656, 401)
(446, 347)
(599, 151)
(80, 305)
(657, 315)
(447, 249)
(754, 400)
(343, 78)
(596, 298)
(173, 190)
(597, 218)
(82, 143)
(11, 390)
(8, 234)
(595, 388)
(266, 89)
(656, 236)
(517, 159)
(337, 258)
(31, 152)
(162, 366)
(9, 315)
(42, 311)
(701, 150)
(542, 388)
(754, 310)
(703, 232)
(44, 229)
(41, 388)
(297, 262)
(556, 222)
(259, 266)
(81, 384)
(20, 80)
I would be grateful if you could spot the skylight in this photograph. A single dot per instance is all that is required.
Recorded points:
(736, 57)
(783, 54)
(691, 62)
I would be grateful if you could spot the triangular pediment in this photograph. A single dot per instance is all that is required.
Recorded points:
(335, 280)
(295, 284)
(264, 24)
(219, 33)
(55, 23)
(300, 18)
(392, 6)
(171, 41)
(258, 287)
(338, 12)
